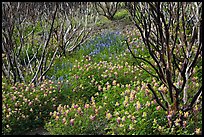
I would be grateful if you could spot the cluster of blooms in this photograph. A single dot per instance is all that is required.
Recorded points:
(103, 41)
(23, 103)
(124, 111)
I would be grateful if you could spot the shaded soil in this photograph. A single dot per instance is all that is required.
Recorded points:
(37, 131)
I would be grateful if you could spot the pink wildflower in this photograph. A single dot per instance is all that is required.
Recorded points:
(118, 120)
(72, 122)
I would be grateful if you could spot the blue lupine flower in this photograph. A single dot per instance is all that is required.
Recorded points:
(61, 78)
(53, 78)
(104, 41)
(135, 51)
(63, 65)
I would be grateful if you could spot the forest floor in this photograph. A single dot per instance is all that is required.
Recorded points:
(37, 131)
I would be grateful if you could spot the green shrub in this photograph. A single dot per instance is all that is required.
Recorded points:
(120, 14)
(102, 21)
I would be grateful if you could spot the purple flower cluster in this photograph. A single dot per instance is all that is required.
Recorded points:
(104, 41)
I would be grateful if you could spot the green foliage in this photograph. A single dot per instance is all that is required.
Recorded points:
(102, 21)
(121, 14)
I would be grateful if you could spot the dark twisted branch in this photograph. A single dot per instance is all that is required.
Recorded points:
(195, 98)
(156, 97)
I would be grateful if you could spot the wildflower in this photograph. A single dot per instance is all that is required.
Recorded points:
(17, 104)
(121, 125)
(45, 94)
(63, 120)
(87, 106)
(77, 77)
(132, 97)
(96, 111)
(114, 82)
(170, 114)
(108, 87)
(54, 113)
(155, 121)
(9, 109)
(92, 99)
(58, 113)
(117, 104)
(158, 107)
(116, 114)
(147, 92)
(126, 113)
(154, 101)
(138, 106)
(99, 88)
(134, 121)
(59, 107)
(72, 122)
(143, 86)
(118, 120)
(127, 86)
(177, 122)
(108, 116)
(185, 114)
(127, 92)
(147, 103)
(57, 118)
(126, 98)
(179, 83)
(129, 116)
(184, 124)
(100, 107)
(31, 110)
(159, 128)
(76, 115)
(123, 119)
(92, 117)
(122, 86)
(104, 88)
(115, 73)
(156, 84)
(180, 112)
(7, 116)
(144, 114)
(197, 131)
(133, 118)
(66, 112)
(131, 127)
(76, 106)
(13, 98)
(125, 103)
(79, 110)
(195, 108)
